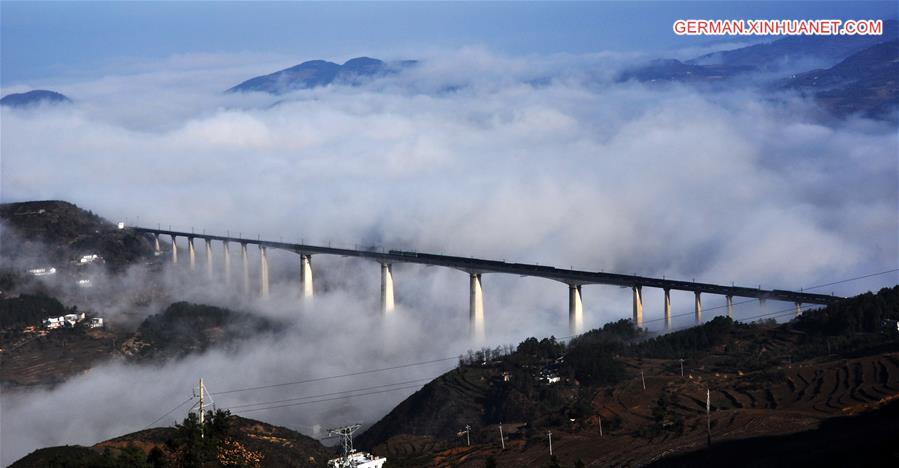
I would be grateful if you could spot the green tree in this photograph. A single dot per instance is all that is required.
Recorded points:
(195, 444)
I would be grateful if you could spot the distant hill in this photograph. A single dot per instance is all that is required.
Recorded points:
(772, 56)
(34, 98)
(866, 82)
(781, 52)
(316, 73)
(248, 438)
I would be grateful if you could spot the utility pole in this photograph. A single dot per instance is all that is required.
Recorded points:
(202, 411)
(502, 440)
(600, 424)
(681, 367)
(467, 435)
(708, 414)
(642, 379)
(550, 435)
(202, 403)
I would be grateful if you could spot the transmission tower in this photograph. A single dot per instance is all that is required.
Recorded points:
(346, 432)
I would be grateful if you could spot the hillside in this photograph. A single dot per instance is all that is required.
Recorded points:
(34, 98)
(243, 442)
(63, 232)
(672, 70)
(34, 356)
(185, 328)
(866, 82)
(868, 439)
(765, 380)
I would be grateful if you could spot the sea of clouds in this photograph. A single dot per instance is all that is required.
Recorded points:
(544, 159)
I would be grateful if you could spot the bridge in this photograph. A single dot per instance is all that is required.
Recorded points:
(475, 267)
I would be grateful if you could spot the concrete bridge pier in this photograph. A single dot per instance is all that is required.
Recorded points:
(227, 256)
(174, 250)
(638, 306)
(476, 308)
(156, 247)
(192, 253)
(698, 308)
(575, 309)
(263, 272)
(387, 302)
(209, 272)
(246, 268)
(667, 309)
(730, 306)
(306, 276)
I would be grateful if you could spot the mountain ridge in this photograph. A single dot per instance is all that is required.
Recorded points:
(316, 73)
(34, 98)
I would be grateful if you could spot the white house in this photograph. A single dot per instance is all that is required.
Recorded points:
(96, 322)
(46, 271)
(69, 320)
(91, 258)
(53, 322)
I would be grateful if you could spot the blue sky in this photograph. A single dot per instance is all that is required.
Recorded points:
(43, 41)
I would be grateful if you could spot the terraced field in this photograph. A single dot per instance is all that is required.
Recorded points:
(795, 398)
(61, 354)
(441, 408)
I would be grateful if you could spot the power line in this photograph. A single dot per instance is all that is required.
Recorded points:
(852, 279)
(306, 397)
(351, 374)
(776, 313)
(168, 413)
(329, 399)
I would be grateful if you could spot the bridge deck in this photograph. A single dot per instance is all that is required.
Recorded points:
(477, 265)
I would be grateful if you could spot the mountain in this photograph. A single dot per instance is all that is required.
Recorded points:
(866, 82)
(782, 52)
(34, 98)
(774, 56)
(246, 442)
(616, 397)
(317, 73)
